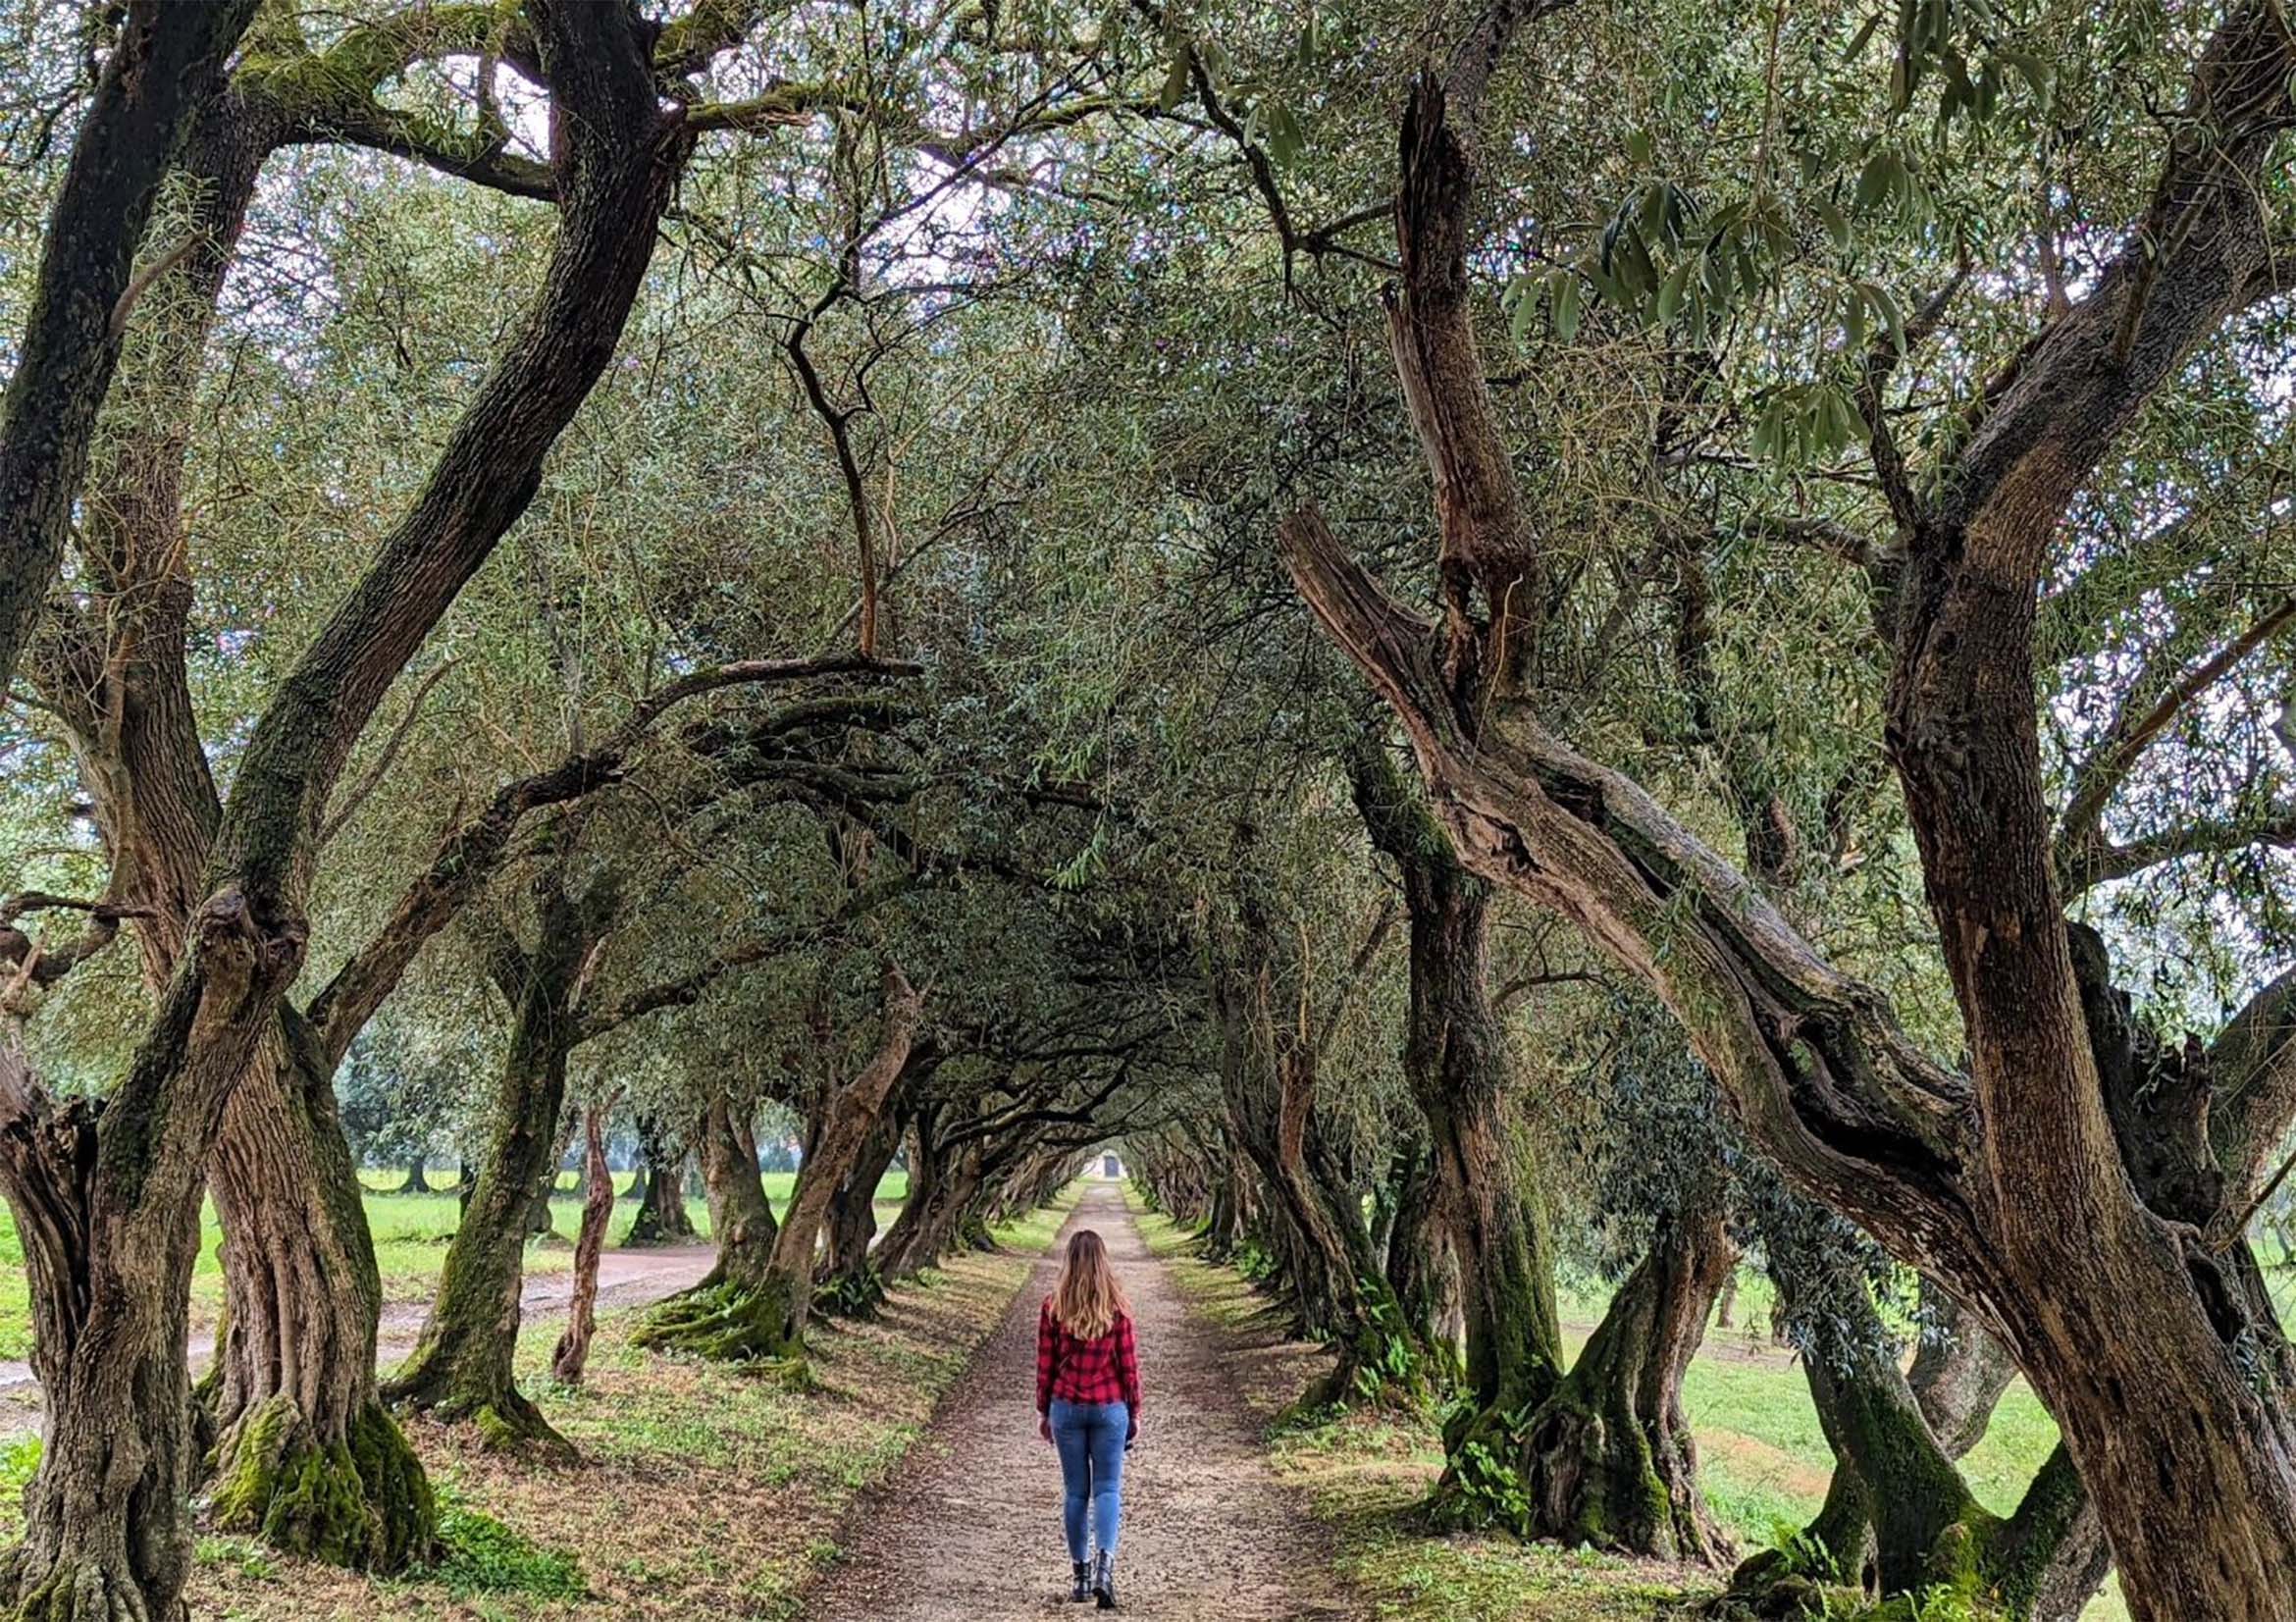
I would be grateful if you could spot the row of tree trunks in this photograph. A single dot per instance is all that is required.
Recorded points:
(104, 1527)
(762, 1313)
(1267, 1069)
(2012, 1184)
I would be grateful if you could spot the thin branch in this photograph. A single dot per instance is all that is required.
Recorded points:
(2132, 732)
(357, 795)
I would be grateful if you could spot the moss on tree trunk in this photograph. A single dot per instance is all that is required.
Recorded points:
(461, 1368)
(305, 1457)
(1483, 1172)
(746, 1312)
(1608, 1460)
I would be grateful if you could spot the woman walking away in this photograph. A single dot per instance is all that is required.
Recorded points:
(1088, 1393)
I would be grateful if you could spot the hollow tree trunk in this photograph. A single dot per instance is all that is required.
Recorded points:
(1608, 1457)
(739, 1318)
(461, 1367)
(662, 1211)
(306, 1456)
(571, 1356)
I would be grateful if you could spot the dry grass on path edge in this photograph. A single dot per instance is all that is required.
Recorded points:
(1362, 1474)
(704, 1490)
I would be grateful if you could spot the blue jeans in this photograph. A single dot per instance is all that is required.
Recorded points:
(1090, 1439)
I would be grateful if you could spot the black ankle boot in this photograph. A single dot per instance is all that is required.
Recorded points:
(1104, 1580)
(1083, 1589)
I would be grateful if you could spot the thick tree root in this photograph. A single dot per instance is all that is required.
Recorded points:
(81, 1591)
(725, 1322)
(503, 1418)
(1807, 1579)
(363, 1502)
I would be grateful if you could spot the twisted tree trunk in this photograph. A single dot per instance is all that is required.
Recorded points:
(2014, 1182)
(741, 1217)
(306, 1456)
(1486, 1175)
(848, 1282)
(463, 1367)
(1609, 1458)
(742, 1318)
(571, 1356)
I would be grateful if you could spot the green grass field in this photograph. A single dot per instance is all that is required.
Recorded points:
(412, 1232)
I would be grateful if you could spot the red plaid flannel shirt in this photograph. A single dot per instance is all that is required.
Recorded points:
(1077, 1370)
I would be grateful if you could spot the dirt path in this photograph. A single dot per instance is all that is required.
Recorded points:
(625, 1279)
(969, 1528)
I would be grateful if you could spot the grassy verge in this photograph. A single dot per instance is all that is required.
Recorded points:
(412, 1232)
(704, 1491)
(1765, 1466)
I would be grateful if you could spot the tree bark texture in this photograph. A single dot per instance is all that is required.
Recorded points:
(2010, 1182)
(570, 1358)
(738, 1320)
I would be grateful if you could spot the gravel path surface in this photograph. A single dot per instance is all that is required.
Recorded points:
(969, 1528)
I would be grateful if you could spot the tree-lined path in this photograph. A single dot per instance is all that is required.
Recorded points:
(970, 1529)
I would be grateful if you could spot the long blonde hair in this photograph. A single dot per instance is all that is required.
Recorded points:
(1088, 1300)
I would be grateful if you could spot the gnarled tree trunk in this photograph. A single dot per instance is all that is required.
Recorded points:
(741, 1217)
(1608, 1457)
(848, 1282)
(2008, 1182)
(306, 1456)
(571, 1356)
(1485, 1173)
(741, 1319)
(463, 1367)
(107, 1206)
(660, 1190)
